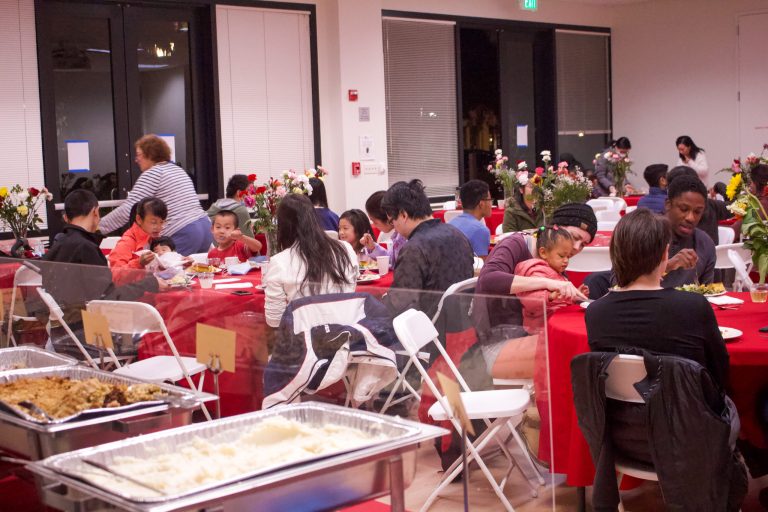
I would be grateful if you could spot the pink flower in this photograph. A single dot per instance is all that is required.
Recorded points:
(539, 171)
(281, 191)
(490, 167)
(249, 201)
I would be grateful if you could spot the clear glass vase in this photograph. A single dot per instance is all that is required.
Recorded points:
(272, 246)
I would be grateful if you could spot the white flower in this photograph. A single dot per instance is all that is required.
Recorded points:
(522, 178)
(546, 153)
(498, 152)
(751, 156)
(285, 174)
(23, 195)
(608, 154)
(521, 166)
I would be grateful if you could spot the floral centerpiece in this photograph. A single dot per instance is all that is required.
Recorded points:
(556, 187)
(19, 212)
(263, 201)
(747, 206)
(619, 166)
(509, 178)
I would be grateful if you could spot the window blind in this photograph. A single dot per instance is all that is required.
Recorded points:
(20, 130)
(583, 86)
(420, 83)
(265, 88)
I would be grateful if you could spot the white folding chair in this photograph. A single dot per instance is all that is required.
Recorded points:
(630, 209)
(742, 269)
(608, 215)
(499, 229)
(332, 234)
(55, 313)
(618, 204)
(606, 225)
(725, 235)
(591, 259)
(451, 214)
(600, 204)
(24, 276)
(478, 263)
(401, 385)
(125, 317)
(497, 408)
(449, 205)
(721, 253)
(623, 372)
(109, 243)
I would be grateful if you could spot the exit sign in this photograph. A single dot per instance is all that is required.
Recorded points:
(530, 5)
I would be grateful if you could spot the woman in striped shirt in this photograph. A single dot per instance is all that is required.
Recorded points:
(187, 223)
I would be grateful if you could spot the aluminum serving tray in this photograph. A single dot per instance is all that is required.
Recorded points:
(36, 440)
(31, 357)
(325, 481)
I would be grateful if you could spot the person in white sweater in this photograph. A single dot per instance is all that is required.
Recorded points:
(692, 156)
(309, 263)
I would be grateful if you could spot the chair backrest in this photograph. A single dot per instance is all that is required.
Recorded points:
(449, 205)
(725, 235)
(332, 234)
(53, 307)
(606, 225)
(623, 372)
(591, 259)
(109, 242)
(478, 263)
(128, 317)
(459, 287)
(630, 209)
(451, 214)
(415, 331)
(724, 261)
(742, 269)
(600, 204)
(499, 229)
(25, 276)
(608, 215)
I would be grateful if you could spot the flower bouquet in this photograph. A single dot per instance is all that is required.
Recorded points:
(507, 177)
(565, 187)
(19, 212)
(620, 166)
(746, 206)
(263, 201)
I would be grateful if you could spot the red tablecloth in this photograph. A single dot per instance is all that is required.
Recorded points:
(632, 200)
(496, 218)
(182, 310)
(567, 337)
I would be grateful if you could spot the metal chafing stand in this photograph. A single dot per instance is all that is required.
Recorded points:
(322, 484)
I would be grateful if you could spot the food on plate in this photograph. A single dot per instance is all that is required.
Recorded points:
(275, 441)
(202, 267)
(179, 280)
(703, 289)
(368, 265)
(60, 397)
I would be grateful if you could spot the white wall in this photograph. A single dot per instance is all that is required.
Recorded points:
(675, 72)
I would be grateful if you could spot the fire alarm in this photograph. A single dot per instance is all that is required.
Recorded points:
(353, 95)
(355, 168)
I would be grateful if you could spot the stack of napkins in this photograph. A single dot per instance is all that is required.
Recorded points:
(239, 270)
(725, 300)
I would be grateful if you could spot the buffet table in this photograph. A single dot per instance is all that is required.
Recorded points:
(567, 337)
(241, 391)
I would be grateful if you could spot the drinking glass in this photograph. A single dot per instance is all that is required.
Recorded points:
(383, 263)
(216, 262)
(759, 292)
(205, 279)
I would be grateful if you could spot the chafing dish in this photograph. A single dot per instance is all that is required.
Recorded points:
(384, 465)
(30, 357)
(34, 440)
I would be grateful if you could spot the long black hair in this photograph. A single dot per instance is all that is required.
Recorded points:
(688, 142)
(621, 143)
(323, 257)
(318, 195)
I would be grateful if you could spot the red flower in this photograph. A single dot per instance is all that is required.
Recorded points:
(539, 171)
(536, 180)
(261, 190)
(765, 146)
(33, 192)
(252, 177)
(765, 190)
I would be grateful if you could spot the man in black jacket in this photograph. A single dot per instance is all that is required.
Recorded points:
(75, 270)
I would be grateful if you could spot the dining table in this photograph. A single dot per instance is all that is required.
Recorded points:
(234, 303)
(567, 338)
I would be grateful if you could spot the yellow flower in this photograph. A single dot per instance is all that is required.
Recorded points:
(3, 191)
(733, 186)
(23, 210)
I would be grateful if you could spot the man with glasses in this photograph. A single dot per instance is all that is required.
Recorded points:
(477, 202)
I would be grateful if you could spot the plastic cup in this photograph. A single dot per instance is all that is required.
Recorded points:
(205, 279)
(383, 263)
(216, 262)
(759, 293)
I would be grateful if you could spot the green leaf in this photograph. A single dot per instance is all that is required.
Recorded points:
(762, 266)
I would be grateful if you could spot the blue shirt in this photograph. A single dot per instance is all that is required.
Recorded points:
(476, 231)
(328, 220)
(654, 201)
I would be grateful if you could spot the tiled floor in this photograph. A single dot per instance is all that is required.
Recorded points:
(553, 496)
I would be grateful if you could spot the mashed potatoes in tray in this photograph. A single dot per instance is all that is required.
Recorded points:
(273, 442)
